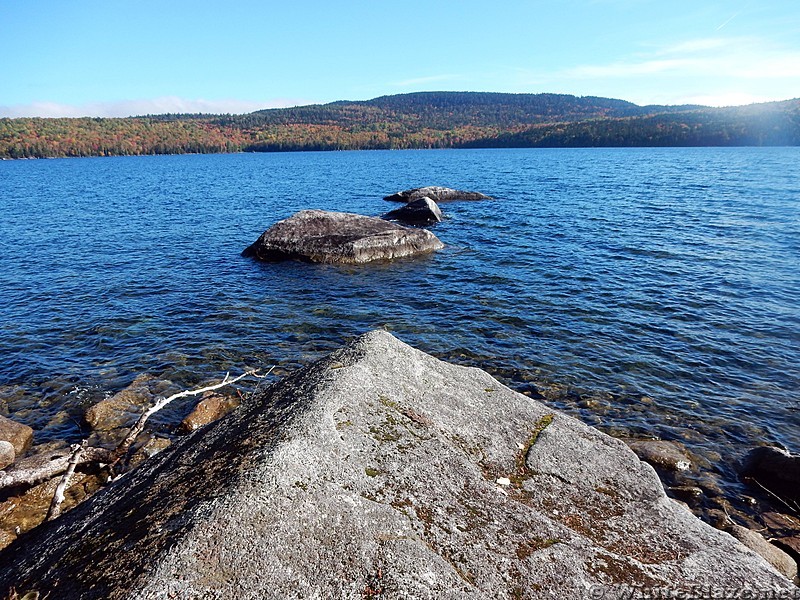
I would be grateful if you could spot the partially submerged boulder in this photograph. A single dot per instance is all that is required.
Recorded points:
(212, 406)
(382, 471)
(662, 454)
(435, 193)
(125, 407)
(423, 211)
(331, 237)
(20, 436)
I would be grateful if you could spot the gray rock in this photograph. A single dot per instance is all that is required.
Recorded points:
(331, 237)
(435, 193)
(17, 434)
(782, 562)
(374, 472)
(671, 456)
(7, 454)
(423, 211)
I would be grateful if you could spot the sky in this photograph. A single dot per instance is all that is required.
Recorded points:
(124, 57)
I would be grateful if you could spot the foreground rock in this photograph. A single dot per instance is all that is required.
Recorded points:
(417, 212)
(435, 193)
(383, 472)
(330, 237)
(7, 454)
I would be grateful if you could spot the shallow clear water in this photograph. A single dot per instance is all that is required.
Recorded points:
(656, 289)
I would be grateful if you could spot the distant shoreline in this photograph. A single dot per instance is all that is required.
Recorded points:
(411, 121)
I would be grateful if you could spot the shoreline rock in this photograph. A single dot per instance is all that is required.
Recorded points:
(435, 193)
(377, 468)
(212, 406)
(20, 436)
(339, 238)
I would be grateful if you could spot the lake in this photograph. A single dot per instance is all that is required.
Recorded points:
(651, 292)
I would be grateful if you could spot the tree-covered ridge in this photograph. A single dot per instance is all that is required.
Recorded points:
(420, 120)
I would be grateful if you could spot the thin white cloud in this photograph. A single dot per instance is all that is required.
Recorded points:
(155, 106)
(715, 70)
(742, 58)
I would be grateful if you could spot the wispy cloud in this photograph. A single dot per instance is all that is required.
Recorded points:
(154, 106)
(742, 58)
(716, 70)
(749, 58)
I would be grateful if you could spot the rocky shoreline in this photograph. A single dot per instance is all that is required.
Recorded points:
(381, 469)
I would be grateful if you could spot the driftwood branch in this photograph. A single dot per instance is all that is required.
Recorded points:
(58, 497)
(122, 449)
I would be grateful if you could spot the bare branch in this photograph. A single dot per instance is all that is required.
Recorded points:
(41, 467)
(58, 497)
(122, 449)
(791, 505)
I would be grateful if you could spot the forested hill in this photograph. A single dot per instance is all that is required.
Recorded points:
(419, 120)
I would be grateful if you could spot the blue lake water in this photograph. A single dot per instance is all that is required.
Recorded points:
(648, 291)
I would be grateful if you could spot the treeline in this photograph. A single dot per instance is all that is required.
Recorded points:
(48, 138)
(422, 120)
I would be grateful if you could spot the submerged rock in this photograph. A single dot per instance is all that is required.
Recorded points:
(435, 193)
(663, 454)
(423, 211)
(125, 407)
(332, 237)
(20, 436)
(375, 471)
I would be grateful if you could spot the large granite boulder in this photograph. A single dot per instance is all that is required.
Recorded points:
(381, 471)
(417, 212)
(332, 237)
(435, 193)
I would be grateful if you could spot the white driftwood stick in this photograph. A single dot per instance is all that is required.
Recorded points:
(125, 445)
(58, 497)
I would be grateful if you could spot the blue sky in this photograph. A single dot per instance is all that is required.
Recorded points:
(122, 57)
